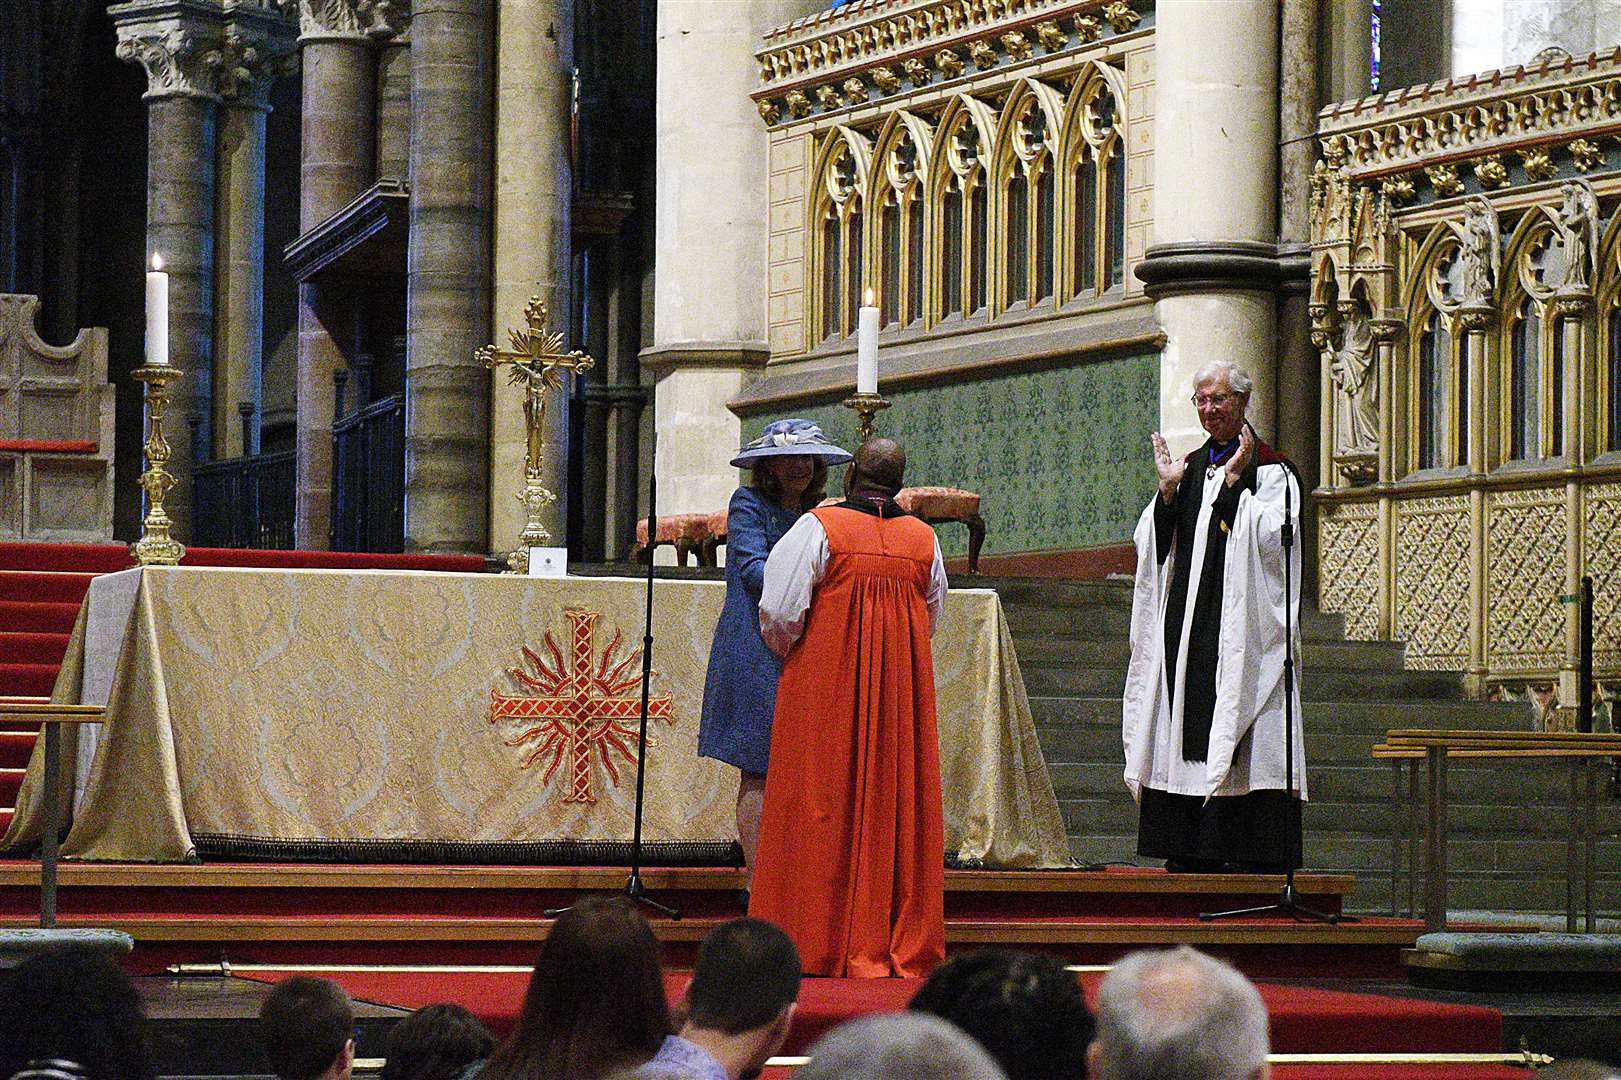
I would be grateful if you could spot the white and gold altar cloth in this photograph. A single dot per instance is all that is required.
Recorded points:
(381, 715)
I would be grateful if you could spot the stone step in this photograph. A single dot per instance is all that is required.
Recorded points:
(1094, 621)
(1353, 798)
(1061, 711)
(1329, 685)
(1041, 652)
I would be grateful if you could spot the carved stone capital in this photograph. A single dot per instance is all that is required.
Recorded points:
(1387, 330)
(259, 45)
(1572, 305)
(1474, 319)
(179, 43)
(351, 20)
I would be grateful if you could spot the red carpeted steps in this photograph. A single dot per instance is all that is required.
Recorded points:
(303, 913)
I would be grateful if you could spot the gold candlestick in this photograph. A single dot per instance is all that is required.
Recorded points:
(867, 407)
(156, 547)
(537, 360)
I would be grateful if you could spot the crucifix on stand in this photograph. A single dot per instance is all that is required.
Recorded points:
(536, 360)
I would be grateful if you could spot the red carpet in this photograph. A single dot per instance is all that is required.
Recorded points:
(1304, 1020)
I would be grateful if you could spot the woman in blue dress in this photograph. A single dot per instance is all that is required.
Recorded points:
(788, 475)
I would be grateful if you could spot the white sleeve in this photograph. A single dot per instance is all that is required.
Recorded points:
(792, 571)
(936, 596)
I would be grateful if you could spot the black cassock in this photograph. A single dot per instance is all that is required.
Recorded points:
(1253, 831)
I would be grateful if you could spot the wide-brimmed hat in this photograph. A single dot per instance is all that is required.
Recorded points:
(785, 437)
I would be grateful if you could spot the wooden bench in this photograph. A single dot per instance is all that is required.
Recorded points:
(705, 534)
(939, 505)
(689, 534)
(1435, 747)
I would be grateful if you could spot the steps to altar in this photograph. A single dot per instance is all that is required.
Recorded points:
(302, 913)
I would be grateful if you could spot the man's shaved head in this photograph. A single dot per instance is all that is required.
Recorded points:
(879, 467)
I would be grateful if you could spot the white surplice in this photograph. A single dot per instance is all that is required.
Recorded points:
(1247, 730)
(797, 565)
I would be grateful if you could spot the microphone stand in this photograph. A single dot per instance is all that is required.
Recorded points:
(633, 884)
(1288, 902)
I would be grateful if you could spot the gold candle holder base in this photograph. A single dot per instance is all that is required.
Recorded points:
(156, 547)
(867, 407)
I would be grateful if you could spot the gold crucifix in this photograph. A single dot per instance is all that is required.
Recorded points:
(538, 361)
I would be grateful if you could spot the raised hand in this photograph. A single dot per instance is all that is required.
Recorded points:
(1241, 457)
(1170, 469)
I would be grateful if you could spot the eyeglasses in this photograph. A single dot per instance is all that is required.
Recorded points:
(1213, 400)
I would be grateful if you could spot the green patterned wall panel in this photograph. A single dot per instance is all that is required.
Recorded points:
(1059, 456)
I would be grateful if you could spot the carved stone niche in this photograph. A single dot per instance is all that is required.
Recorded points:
(56, 432)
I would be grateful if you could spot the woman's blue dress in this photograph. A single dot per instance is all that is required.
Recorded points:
(740, 688)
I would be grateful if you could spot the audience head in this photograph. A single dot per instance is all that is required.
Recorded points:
(595, 1002)
(1178, 1015)
(71, 1012)
(437, 1042)
(885, 1045)
(1024, 1008)
(879, 468)
(743, 992)
(307, 1026)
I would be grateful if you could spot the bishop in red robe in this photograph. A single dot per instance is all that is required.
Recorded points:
(852, 847)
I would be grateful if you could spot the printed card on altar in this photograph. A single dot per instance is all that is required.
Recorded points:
(548, 562)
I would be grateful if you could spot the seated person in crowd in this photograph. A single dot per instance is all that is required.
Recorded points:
(437, 1042)
(1179, 1014)
(738, 1009)
(1023, 1008)
(595, 1004)
(887, 1046)
(71, 1014)
(307, 1027)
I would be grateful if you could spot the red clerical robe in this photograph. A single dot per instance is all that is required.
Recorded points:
(851, 855)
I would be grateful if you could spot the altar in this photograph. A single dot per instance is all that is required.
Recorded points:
(382, 716)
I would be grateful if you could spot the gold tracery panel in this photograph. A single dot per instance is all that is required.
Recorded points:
(990, 202)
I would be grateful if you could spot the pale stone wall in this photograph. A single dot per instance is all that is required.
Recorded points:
(710, 306)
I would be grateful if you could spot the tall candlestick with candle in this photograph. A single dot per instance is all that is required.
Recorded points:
(156, 546)
(866, 401)
(867, 348)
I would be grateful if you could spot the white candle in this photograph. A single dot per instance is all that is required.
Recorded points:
(867, 348)
(157, 314)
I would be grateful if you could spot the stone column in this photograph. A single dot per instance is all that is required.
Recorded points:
(335, 166)
(709, 305)
(1212, 266)
(394, 107)
(257, 42)
(1573, 311)
(177, 44)
(1348, 61)
(1474, 321)
(534, 72)
(1300, 399)
(447, 414)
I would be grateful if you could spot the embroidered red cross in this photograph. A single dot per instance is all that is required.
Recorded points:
(581, 707)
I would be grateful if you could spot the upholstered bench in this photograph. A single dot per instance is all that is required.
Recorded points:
(687, 533)
(938, 505)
